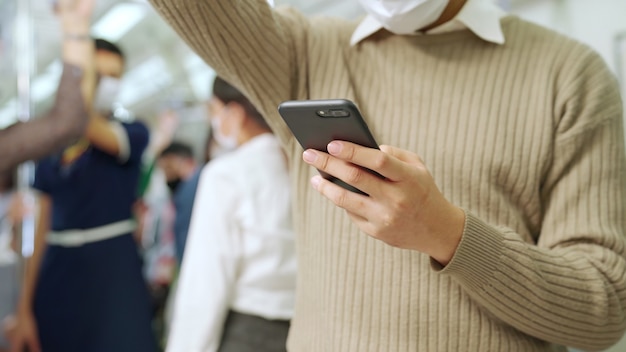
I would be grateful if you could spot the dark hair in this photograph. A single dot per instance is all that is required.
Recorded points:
(208, 146)
(107, 46)
(178, 149)
(225, 92)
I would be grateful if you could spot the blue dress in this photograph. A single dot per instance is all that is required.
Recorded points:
(93, 297)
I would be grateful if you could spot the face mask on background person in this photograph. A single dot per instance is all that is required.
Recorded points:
(227, 143)
(404, 16)
(173, 185)
(106, 93)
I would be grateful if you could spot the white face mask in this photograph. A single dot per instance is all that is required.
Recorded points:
(106, 93)
(226, 143)
(405, 16)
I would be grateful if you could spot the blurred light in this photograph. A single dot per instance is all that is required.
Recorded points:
(118, 21)
(200, 75)
(144, 80)
(271, 2)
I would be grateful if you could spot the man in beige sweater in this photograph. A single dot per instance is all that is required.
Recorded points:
(500, 224)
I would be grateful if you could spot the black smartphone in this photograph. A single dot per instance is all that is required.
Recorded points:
(315, 123)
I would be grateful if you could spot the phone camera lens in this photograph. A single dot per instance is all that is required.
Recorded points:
(339, 113)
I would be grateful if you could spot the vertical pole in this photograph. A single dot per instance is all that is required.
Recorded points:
(24, 65)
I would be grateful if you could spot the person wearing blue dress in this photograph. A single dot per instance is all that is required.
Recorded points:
(84, 289)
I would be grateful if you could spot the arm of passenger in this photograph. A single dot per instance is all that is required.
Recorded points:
(67, 120)
(208, 272)
(58, 128)
(569, 288)
(254, 47)
(107, 135)
(127, 142)
(33, 263)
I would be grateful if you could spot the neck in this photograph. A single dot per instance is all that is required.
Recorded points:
(453, 9)
(250, 132)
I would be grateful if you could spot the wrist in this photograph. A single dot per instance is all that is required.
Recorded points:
(24, 309)
(449, 236)
(74, 36)
(76, 28)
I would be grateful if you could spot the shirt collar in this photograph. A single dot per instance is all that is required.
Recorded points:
(480, 16)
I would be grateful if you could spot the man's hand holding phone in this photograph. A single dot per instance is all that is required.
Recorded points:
(405, 209)
(387, 192)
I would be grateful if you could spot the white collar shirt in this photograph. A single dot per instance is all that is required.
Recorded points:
(240, 251)
(482, 17)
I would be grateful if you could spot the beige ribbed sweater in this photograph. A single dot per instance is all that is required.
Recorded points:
(527, 137)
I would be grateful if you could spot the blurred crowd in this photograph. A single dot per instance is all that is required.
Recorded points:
(113, 200)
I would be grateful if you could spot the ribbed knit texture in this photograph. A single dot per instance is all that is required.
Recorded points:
(527, 137)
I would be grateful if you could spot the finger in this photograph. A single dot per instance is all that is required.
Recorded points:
(356, 217)
(352, 202)
(385, 164)
(364, 224)
(403, 155)
(349, 173)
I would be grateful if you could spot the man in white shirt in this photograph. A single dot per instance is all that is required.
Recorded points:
(237, 281)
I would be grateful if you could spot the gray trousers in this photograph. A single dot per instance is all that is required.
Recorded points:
(9, 289)
(247, 333)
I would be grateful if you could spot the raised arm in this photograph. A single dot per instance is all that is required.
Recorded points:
(252, 46)
(67, 120)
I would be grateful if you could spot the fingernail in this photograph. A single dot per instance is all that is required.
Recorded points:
(334, 147)
(309, 156)
(315, 181)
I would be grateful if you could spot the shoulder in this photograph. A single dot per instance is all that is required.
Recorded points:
(138, 134)
(228, 161)
(224, 168)
(135, 127)
(565, 59)
(526, 35)
(237, 165)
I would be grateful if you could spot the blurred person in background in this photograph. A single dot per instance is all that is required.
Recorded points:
(156, 215)
(181, 174)
(84, 289)
(8, 258)
(67, 120)
(236, 285)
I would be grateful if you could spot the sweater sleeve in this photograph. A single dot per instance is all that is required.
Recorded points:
(570, 286)
(58, 128)
(254, 47)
